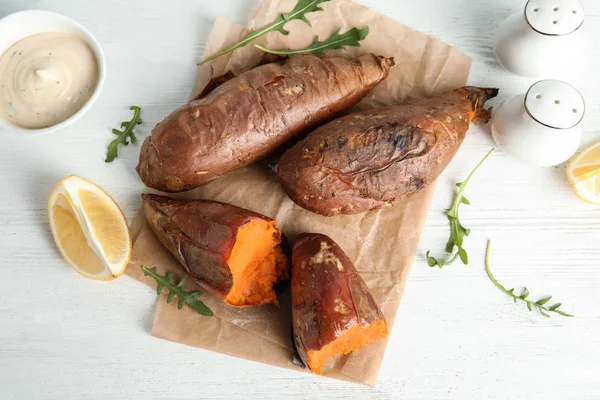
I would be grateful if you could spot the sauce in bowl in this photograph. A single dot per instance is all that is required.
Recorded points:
(45, 79)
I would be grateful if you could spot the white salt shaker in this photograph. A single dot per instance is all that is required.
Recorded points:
(544, 41)
(543, 126)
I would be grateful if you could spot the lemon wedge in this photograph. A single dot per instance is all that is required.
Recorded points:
(89, 229)
(583, 172)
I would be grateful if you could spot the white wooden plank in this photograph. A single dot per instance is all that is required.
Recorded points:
(457, 337)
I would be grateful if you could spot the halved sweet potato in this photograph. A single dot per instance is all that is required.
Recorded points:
(333, 311)
(232, 252)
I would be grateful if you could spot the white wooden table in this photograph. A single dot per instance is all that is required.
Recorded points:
(457, 336)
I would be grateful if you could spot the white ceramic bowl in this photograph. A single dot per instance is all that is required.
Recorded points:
(22, 24)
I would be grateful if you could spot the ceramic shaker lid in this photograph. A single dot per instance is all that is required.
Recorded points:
(555, 104)
(556, 17)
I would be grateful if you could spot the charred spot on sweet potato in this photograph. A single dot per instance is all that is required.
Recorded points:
(333, 312)
(397, 134)
(363, 192)
(341, 142)
(323, 146)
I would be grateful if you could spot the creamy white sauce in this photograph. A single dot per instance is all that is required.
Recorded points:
(45, 79)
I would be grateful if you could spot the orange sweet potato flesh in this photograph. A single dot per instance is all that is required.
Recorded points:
(333, 311)
(232, 252)
(252, 115)
(372, 159)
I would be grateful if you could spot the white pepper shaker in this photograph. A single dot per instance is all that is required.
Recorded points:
(543, 126)
(545, 41)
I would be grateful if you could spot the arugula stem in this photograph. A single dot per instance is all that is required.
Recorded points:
(457, 230)
(530, 304)
(299, 11)
(242, 43)
(489, 271)
(459, 195)
(335, 41)
(282, 52)
(433, 262)
(163, 282)
(451, 261)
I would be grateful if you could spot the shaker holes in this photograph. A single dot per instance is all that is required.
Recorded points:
(539, 96)
(555, 22)
(555, 8)
(536, 9)
(556, 101)
(575, 110)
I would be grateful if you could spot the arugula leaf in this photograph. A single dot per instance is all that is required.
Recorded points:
(433, 262)
(333, 42)
(554, 307)
(564, 314)
(543, 301)
(457, 230)
(302, 8)
(124, 134)
(168, 282)
(523, 297)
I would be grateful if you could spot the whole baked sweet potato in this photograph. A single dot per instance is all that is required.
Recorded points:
(250, 116)
(232, 252)
(333, 311)
(372, 159)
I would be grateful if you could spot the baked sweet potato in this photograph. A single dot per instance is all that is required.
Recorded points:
(332, 310)
(232, 252)
(250, 116)
(372, 159)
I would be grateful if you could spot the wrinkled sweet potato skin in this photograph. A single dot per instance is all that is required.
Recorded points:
(372, 159)
(328, 295)
(250, 116)
(201, 235)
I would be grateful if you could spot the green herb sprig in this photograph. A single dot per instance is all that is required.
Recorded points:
(168, 282)
(333, 42)
(124, 134)
(457, 230)
(302, 8)
(540, 304)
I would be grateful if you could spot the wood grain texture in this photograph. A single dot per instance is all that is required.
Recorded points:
(457, 336)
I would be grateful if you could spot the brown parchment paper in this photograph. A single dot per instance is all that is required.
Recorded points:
(381, 243)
